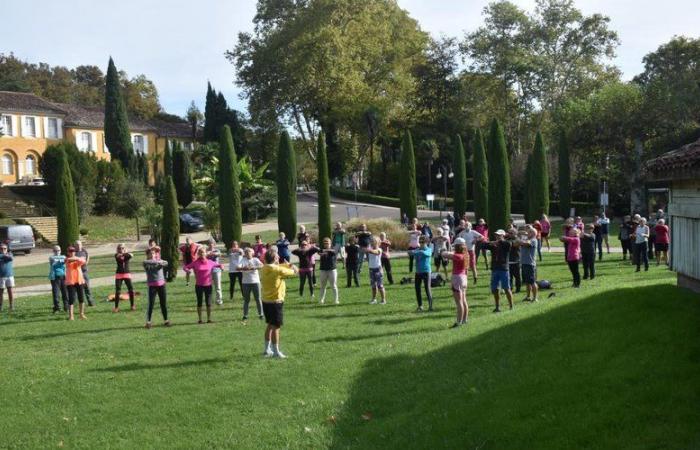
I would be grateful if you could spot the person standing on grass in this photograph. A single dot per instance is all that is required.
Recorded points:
(214, 254)
(189, 253)
(459, 228)
(414, 235)
(329, 271)
(274, 289)
(641, 238)
(663, 239)
(565, 231)
(538, 228)
(305, 253)
(459, 259)
(7, 276)
(364, 240)
(514, 260)
(446, 228)
(624, 236)
(546, 230)
(573, 256)
(235, 255)
(472, 239)
(636, 219)
(423, 255)
(155, 279)
(338, 237)
(598, 234)
(57, 276)
(376, 277)
(249, 266)
(426, 230)
(483, 229)
(123, 275)
(385, 245)
(80, 252)
(500, 278)
(352, 252)
(589, 241)
(441, 243)
(578, 223)
(302, 235)
(202, 268)
(528, 264)
(282, 245)
(75, 283)
(605, 229)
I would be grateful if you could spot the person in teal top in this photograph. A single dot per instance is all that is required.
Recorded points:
(57, 275)
(7, 275)
(423, 255)
(338, 240)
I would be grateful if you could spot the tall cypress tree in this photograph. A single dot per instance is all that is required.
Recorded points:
(167, 160)
(481, 178)
(117, 135)
(527, 191)
(182, 175)
(66, 204)
(539, 180)
(499, 179)
(407, 184)
(170, 234)
(323, 188)
(229, 190)
(460, 180)
(286, 186)
(564, 177)
(211, 131)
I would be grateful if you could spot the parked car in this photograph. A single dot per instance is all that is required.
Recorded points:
(37, 182)
(189, 223)
(17, 237)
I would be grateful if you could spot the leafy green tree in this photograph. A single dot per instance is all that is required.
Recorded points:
(564, 176)
(460, 179)
(407, 186)
(323, 189)
(286, 186)
(499, 179)
(538, 183)
(170, 233)
(229, 190)
(117, 136)
(182, 175)
(481, 178)
(66, 204)
(133, 198)
(194, 117)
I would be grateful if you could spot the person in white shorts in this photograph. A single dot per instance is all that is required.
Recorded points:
(7, 276)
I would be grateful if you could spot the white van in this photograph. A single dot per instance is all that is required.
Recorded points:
(19, 238)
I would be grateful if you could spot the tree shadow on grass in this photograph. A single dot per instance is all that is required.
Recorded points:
(614, 370)
(173, 365)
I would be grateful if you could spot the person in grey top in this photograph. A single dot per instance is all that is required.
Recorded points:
(80, 252)
(155, 279)
(528, 263)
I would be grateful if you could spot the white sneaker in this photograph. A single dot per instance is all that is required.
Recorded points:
(383, 302)
(219, 302)
(267, 353)
(337, 302)
(373, 302)
(279, 355)
(322, 301)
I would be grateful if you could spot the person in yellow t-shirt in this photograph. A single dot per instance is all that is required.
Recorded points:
(274, 289)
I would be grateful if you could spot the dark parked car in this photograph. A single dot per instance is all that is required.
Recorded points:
(189, 223)
(19, 238)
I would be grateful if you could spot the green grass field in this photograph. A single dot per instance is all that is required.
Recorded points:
(614, 364)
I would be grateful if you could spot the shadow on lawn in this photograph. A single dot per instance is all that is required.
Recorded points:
(173, 365)
(614, 370)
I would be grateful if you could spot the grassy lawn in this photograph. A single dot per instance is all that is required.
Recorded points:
(100, 266)
(614, 364)
(614, 229)
(109, 229)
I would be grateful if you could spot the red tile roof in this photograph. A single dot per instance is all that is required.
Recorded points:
(682, 160)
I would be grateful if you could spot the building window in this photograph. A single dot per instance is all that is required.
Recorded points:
(86, 141)
(30, 126)
(6, 126)
(52, 128)
(8, 167)
(138, 143)
(30, 165)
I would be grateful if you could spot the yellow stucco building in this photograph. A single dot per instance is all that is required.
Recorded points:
(28, 124)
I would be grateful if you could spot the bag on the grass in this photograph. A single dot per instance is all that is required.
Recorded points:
(544, 284)
(436, 280)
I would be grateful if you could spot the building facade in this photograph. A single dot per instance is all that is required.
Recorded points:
(29, 124)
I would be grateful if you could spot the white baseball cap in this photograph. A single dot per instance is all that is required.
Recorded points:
(500, 233)
(459, 240)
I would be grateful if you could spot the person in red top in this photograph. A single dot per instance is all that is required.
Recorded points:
(573, 253)
(483, 229)
(460, 262)
(189, 253)
(74, 283)
(259, 248)
(385, 245)
(123, 275)
(662, 240)
(566, 231)
(546, 229)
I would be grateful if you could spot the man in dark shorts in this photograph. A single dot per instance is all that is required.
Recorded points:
(274, 289)
(500, 278)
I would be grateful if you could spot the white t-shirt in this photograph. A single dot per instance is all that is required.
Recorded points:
(234, 260)
(445, 230)
(251, 276)
(375, 261)
(470, 237)
(639, 234)
(413, 237)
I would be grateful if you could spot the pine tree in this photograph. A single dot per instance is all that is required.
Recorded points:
(407, 184)
(229, 190)
(499, 179)
(564, 177)
(481, 177)
(182, 175)
(116, 123)
(539, 180)
(286, 186)
(170, 233)
(66, 204)
(167, 160)
(323, 189)
(460, 180)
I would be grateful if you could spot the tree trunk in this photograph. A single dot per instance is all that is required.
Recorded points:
(138, 229)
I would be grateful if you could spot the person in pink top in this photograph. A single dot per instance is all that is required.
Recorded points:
(259, 248)
(573, 253)
(123, 275)
(482, 229)
(460, 262)
(202, 268)
(662, 240)
(546, 226)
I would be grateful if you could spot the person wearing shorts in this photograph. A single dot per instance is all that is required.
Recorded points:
(472, 239)
(155, 279)
(235, 254)
(274, 289)
(662, 241)
(423, 255)
(441, 243)
(202, 268)
(528, 264)
(7, 276)
(500, 278)
(75, 283)
(328, 271)
(249, 266)
(122, 275)
(460, 262)
(376, 276)
(57, 277)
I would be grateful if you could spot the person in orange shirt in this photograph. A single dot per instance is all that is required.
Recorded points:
(74, 283)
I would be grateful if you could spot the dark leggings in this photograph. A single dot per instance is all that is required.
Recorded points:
(386, 264)
(232, 278)
(118, 291)
(599, 246)
(573, 267)
(160, 292)
(625, 244)
(75, 290)
(641, 255)
(352, 275)
(423, 278)
(410, 258)
(203, 294)
(303, 277)
(86, 288)
(588, 260)
(514, 271)
(58, 287)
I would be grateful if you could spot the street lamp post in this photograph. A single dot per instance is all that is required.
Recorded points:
(443, 175)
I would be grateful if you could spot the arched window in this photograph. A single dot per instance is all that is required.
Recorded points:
(8, 166)
(30, 165)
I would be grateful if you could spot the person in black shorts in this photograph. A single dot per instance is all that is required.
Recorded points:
(274, 290)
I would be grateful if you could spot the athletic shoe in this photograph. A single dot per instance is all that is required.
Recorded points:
(82, 317)
(244, 318)
(210, 321)
(527, 299)
(373, 302)
(133, 307)
(200, 322)
(279, 355)
(455, 325)
(419, 309)
(148, 325)
(166, 323)
(337, 302)
(261, 317)
(115, 310)
(431, 309)
(534, 300)
(497, 310)
(219, 302)
(322, 301)
(267, 353)
(383, 302)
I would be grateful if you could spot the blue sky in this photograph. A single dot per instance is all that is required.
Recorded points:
(180, 44)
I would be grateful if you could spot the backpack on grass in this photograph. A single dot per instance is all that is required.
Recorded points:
(436, 280)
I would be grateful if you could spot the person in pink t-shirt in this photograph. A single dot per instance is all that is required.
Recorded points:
(662, 241)
(482, 228)
(546, 226)
(460, 262)
(573, 253)
(202, 268)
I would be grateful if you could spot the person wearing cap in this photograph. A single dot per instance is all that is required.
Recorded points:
(7, 276)
(75, 283)
(528, 264)
(460, 261)
(500, 277)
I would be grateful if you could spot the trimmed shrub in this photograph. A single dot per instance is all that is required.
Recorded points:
(286, 187)
(407, 185)
(538, 183)
(499, 179)
(481, 177)
(564, 176)
(322, 188)
(117, 135)
(66, 204)
(229, 190)
(460, 180)
(170, 231)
